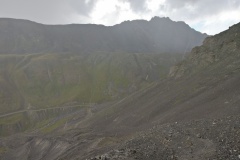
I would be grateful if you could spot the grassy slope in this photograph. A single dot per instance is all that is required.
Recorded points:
(47, 80)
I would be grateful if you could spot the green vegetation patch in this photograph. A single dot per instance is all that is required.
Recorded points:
(55, 125)
(11, 119)
(51, 79)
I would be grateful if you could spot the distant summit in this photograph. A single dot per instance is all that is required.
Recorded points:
(156, 18)
(139, 36)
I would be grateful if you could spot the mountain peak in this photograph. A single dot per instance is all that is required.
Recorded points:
(139, 36)
(156, 18)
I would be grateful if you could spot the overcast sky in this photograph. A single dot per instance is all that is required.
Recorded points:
(207, 16)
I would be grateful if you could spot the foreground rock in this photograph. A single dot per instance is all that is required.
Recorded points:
(198, 140)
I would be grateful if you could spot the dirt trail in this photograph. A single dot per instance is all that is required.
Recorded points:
(45, 109)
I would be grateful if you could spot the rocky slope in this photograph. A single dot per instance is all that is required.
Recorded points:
(197, 140)
(47, 66)
(194, 114)
(204, 86)
(40, 81)
(46, 80)
(159, 35)
(219, 49)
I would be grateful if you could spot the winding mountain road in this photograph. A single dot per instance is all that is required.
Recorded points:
(44, 109)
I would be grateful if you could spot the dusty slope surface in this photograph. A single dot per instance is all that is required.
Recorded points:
(197, 140)
(207, 91)
(204, 86)
(197, 87)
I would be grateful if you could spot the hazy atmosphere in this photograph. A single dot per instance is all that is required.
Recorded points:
(206, 16)
(119, 79)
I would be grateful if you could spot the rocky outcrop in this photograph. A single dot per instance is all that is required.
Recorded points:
(214, 50)
(202, 139)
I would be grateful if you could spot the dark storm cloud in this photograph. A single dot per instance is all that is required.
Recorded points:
(46, 11)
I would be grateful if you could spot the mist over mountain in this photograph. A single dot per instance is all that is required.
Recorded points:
(159, 35)
(192, 114)
(85, 91)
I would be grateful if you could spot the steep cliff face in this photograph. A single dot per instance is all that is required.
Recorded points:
(218, 49)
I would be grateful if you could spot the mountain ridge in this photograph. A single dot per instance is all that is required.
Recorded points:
(159, 35)
(192, 115)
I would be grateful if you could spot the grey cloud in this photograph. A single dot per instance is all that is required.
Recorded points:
(201, 8)
(46, 11)
(83, 7)
(79, 11)
(180, 3)
(137, 5)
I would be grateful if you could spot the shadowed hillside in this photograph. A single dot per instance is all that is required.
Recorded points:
(39, 81)
(159, 35)
(205, 84)
(206, 90)
(47, 66)
(48, 80)
(192, 114)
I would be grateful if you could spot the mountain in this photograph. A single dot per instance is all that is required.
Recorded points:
(43, 82)
(205, 84)
(48, 80)
(220, 50)
(159, 35)
(50, 66)
(193, 114)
